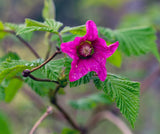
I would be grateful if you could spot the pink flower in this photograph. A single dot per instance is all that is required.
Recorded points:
(89, 53)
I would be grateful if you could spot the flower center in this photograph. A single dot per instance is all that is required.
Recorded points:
(85, 50)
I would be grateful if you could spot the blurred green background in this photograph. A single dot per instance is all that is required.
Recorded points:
(21, 113)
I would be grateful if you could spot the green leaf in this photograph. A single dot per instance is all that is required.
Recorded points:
(2, 94)
(91, 101)
(11, 68)
(16, 28)
(78, 30)
(106, 33)
(50, 25)
(13, 87)
(48, 11)
(10, 56)
(4, 124)
(53, 69)
(41, 88)
(126, 94)
(133, 41)
(115, 59)
(2, 34)
(69, 131)
(137, 41)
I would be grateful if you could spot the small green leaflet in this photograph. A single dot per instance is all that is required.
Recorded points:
(11, 90)
(133, 41)
(48, 11)
(2, 34)
(126, 94)
(9, 56)
(91, 101)
(69, 131)
(78, 30)
(115, 59)
(4, 124)
(49, 25)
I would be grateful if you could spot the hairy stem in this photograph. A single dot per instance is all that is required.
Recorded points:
(48, 112)
(23, 41)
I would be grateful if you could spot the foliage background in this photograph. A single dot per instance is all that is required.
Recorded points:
(21, 113)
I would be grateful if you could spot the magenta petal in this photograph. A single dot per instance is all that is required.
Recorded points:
(101, 48)
(112, 48)
(92, 32)
(81, 67)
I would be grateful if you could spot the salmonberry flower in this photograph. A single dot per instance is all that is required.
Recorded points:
(89, 53)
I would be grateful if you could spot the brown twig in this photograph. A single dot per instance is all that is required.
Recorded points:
(39, 79)
(67, 117)
(48, 112)
(60, 37)
(148, 81)
(23, 41)
(112, 118)
(45, 62)
(53, 99)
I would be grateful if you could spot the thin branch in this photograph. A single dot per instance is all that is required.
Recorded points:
(60, 37)
(112, 118)
(45, 62)
(67, 117)
(23, 41)
(48, 112)
(39, 103)
(53, 100)
(44, 80)
(148, 81)
(49, 43)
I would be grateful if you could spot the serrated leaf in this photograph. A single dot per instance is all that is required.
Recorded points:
(4, 124)
(11, 90)
(125, 93)
(48, 11)
(69, 131)
(17, 27)
(53, 69)
(50, 25)
(11, 68)
(41, 88)
(106, 33)
(137, 41)
(91, 101)
(133, 41)
(115, 59)
(78, 30)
